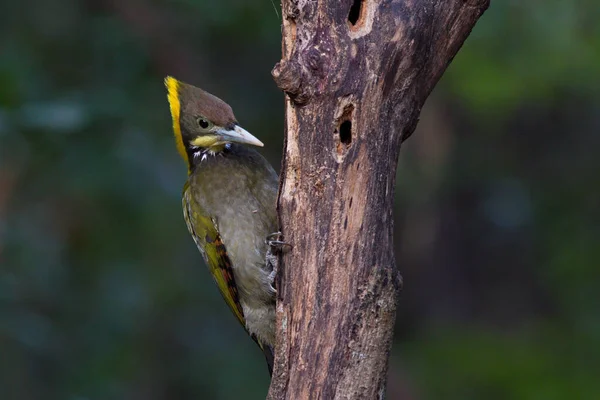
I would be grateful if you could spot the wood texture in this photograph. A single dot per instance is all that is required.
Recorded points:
(356, 74)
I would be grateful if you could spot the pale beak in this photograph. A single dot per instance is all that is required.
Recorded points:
(238, 135)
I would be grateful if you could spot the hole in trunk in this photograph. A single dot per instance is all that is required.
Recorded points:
(346, 132)
(343, 129)
(355, 10)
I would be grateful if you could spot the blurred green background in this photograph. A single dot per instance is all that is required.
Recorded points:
(103, 294)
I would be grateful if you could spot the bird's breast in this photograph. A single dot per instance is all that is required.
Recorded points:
(241, 200)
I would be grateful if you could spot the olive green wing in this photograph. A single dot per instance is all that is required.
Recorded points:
(204, 231)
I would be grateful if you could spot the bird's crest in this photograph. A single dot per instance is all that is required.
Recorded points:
(173, 95)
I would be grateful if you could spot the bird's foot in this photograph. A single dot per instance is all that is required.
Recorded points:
(271, 278)
(274, 241)
(275, 247)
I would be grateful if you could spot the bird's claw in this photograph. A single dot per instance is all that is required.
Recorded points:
(276, 246)
(273, 240)
(271, 278)
(273, 235)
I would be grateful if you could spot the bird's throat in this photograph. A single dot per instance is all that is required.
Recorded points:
(197, 155)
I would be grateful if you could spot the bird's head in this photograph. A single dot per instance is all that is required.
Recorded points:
(202, 122)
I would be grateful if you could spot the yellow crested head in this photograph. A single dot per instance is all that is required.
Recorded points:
(202, 122)
(173, 95)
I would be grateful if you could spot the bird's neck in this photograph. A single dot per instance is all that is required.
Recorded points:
(198, 155)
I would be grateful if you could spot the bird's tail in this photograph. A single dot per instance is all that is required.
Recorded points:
(269, 356)
(268, 352)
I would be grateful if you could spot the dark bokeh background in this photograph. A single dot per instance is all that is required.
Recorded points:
(103, 294)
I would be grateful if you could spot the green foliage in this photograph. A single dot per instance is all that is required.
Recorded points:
(523, 52)
(103, 294)
(475, 363)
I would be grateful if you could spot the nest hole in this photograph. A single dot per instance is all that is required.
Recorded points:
(346, 132)
(355, 11)
(343, 129)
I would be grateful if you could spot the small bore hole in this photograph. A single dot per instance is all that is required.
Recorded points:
(346, 132)
(343, 129)
(355, 9)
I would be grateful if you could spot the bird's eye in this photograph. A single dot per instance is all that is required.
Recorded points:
(203, 123)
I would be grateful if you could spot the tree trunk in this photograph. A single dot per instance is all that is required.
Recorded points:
(356, 74)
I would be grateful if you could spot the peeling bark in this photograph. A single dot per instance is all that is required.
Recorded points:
(356, 74)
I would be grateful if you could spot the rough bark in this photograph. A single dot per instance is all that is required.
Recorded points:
(356, 74)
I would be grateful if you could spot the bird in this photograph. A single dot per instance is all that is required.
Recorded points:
(229, 205)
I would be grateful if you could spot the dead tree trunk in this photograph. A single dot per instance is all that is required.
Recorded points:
(356, 74)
